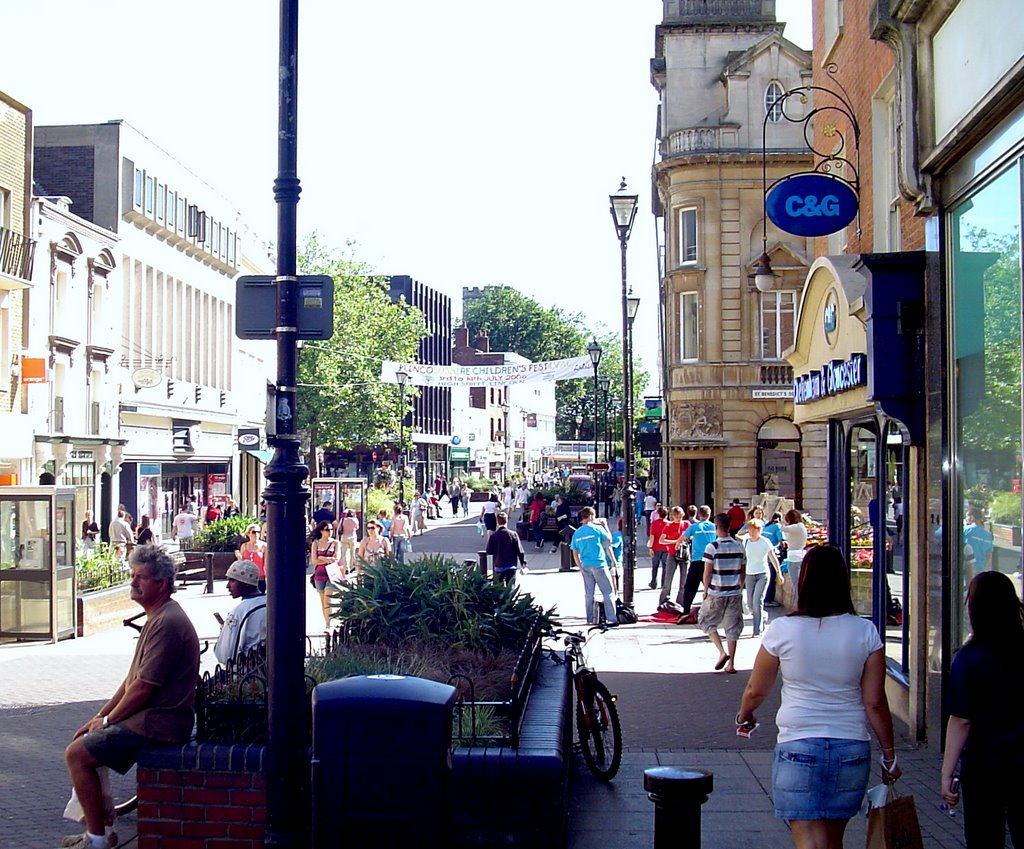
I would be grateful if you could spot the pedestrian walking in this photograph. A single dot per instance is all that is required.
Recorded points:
(833, 686)
(760, 553)
(254, 550)
(400, 533)
(794, 531)
(984, 733)
(373, 547)
(672, 541)
(488, 514)
(90, 531)
(418, 513)
(323, 550)
(659, 553)
(724, 571)
(455, 496)
(699, 535)
(505, 550)
(348, 539)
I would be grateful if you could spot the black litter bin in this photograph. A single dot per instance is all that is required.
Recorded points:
(381, 762)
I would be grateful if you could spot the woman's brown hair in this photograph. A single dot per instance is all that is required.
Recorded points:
(824, 588)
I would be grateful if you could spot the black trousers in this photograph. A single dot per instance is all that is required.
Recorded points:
(991, 803)
(694, 575)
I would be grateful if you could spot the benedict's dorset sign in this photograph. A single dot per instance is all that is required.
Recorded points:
(831, 379)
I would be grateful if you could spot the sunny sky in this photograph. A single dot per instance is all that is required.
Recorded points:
(461, 142)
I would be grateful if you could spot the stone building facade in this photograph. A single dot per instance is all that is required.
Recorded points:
(718, 70)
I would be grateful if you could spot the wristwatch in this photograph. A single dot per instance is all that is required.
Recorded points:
(106, 721)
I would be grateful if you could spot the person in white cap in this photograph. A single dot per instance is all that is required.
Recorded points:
(246, 625)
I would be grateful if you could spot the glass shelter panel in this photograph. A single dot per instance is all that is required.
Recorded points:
(985, 276)
(894, 504)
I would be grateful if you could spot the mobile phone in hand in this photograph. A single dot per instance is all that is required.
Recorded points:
(219, 618)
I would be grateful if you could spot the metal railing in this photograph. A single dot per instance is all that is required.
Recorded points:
(16, 254)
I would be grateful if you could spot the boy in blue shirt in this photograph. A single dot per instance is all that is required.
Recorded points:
(700, 534)
(592, 550)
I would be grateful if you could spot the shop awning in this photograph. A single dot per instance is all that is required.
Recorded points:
(262, 456)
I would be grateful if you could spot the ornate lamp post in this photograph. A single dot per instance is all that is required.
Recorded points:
(623, 210)
(402, 378)
(506, 471)
(595, 352)
(605, 381)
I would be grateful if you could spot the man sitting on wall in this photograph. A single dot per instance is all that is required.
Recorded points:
(152, 707)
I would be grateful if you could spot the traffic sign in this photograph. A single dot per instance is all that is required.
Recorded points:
(598, 467)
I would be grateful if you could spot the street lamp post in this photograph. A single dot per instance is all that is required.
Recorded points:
(579, 424)
(595, 352)
(623, 210)
(504, 423)
(402, 378)
(285, 493)
(605, 381)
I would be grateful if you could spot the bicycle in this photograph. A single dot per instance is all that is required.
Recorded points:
(597, 718)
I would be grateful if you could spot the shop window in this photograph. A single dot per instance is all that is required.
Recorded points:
(885, 127)
(778, 322)
(687, 236)
(863, 465)
(894, 506)
(688, 327)
(986, 446)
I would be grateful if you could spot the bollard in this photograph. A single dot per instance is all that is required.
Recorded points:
(677, 793)
(209, 574)
(482, 558)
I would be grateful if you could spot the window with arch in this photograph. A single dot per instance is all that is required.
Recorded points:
(773, 101)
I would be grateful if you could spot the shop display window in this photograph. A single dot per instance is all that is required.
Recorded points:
(985, 278)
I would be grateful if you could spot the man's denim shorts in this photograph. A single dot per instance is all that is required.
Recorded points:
(820, 778)
(117, 747)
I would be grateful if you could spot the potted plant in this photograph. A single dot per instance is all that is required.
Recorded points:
(221, 538)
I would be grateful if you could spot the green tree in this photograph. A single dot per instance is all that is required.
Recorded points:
(515, 322)
(341, 401)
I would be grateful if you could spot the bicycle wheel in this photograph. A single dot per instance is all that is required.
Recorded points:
(597, 722)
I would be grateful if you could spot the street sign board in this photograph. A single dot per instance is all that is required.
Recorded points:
(598, 467)
(256, 306)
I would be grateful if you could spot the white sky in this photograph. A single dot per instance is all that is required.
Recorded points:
(463, 142)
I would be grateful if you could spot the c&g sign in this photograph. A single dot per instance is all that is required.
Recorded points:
(811, 205)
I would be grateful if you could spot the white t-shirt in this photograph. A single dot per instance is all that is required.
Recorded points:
(254, 631)
(795, 535)
(650, 502)
(822, 662)
(184, 525)
(757, 555)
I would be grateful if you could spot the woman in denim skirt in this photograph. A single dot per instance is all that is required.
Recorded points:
(833, 688)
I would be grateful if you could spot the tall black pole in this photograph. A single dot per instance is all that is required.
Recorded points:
(597, 432)
(401, 448)
(628, 495)
(287, 756)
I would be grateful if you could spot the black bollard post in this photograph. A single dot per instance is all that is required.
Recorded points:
(209, 574)
(677, 793)
(482, 557)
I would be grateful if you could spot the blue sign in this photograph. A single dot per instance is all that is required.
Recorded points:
(811, 205)
(456, 440)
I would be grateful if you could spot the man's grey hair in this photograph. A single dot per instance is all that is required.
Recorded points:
(157, 561)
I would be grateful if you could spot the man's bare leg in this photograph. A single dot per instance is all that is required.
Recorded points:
(82, 767)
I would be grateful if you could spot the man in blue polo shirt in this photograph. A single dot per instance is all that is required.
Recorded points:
(700, 534)
(592, 549)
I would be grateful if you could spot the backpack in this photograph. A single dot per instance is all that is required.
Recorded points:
(624, 613)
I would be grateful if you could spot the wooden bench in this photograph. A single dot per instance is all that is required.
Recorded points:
(191, 564)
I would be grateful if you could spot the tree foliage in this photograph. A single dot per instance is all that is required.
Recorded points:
(341, 399)
(515, 322)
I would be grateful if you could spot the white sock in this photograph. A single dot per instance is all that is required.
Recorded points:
(98, 841)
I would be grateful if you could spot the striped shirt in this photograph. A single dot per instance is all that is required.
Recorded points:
(727, 564)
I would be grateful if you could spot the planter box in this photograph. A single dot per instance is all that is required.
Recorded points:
(499, 796)
(104, 610)
(1007, 536)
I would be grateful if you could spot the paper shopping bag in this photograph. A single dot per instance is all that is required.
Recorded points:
(895, 825)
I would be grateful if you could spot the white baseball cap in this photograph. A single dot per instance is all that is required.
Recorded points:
(244, 571)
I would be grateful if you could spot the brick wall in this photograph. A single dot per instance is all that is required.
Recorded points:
(863, 65)
(67, 171)
(15, 130)
(202, 797)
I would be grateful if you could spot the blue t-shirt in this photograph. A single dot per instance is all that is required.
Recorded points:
(589, 541)
(701, 535)
(617, 543)
(773, 532)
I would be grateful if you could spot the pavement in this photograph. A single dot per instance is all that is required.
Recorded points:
(675, 711)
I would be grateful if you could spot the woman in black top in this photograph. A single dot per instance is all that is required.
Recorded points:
(145, 534)
(985, 732)
(90, 530)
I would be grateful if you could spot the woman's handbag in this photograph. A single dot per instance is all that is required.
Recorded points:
(893, 825)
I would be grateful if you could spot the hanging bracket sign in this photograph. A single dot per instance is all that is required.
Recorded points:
(811, 204)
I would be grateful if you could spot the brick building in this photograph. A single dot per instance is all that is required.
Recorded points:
(16, 256)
